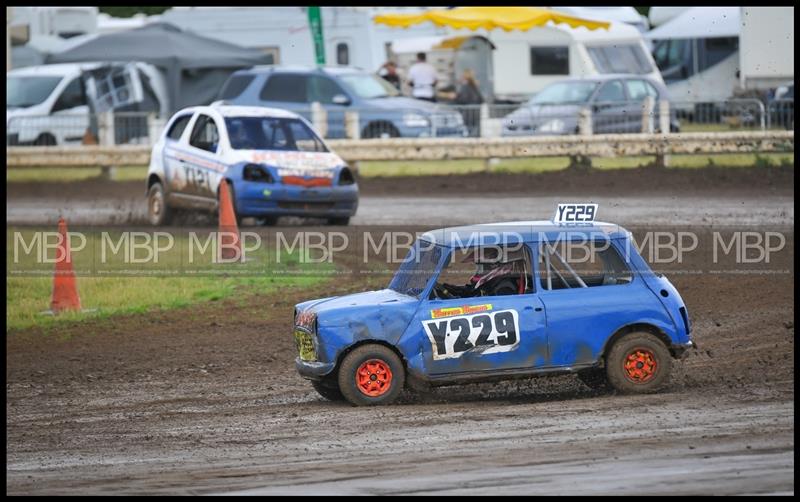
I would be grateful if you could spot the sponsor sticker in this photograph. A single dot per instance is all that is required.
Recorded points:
(463, 310)
(485, 333)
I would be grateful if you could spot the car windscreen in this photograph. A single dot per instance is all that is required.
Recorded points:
(417, 269)
(368, 86)
(562, 93)
(22, 92)
(270, 133)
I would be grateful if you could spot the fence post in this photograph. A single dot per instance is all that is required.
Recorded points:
(484, 120)
(351, 125)
(106, 137)
(153, 128)
(581, 161)
(319, 118)
(585, 122)
(648, 108)
(662, 159)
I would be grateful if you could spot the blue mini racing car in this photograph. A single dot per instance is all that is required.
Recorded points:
(500, 301)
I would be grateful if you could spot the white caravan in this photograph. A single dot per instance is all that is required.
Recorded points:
(524, 62)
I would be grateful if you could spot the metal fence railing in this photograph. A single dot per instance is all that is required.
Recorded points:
(84, 129)
(438, 120)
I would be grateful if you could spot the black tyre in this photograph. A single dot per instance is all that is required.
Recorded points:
(380, 130)
(638, 363)
(344, 221)
(371, 375)
(158, 211)
(328, 390)
(595, 379)
(267, 221)
(45, 140)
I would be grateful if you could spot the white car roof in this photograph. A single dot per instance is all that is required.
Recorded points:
(58, 70)
(243, 111)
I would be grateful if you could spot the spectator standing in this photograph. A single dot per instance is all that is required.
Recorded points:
(388, 71)
(469, 95)
(423, 80)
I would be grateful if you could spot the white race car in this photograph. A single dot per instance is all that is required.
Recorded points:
(274, 162)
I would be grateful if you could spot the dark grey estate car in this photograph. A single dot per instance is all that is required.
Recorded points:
(615, 102)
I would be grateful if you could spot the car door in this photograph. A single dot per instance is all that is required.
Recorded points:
(639, 90)
(588, 291)
(611, 111)
(482, 334)
(70, 112)
(174, 153)
(334, 99)
(201, 166)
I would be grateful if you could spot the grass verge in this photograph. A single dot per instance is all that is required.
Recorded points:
(112, 282)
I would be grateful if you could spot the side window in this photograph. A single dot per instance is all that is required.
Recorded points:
(205, 134)
(176, 131)
(581, 264)
(611, 92)
(549, 60)
(285, 88)
(71, 96)
(236, 86)
(486, 271)
(322, 89)
(342, 53)
(717, 49)
(638, 90)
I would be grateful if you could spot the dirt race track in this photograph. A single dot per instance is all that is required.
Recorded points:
(206, 400)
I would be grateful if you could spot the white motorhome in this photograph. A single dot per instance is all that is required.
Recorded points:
(524, 62)
(54, 104)
(709, 54)
(627, 15)
(351, 37)
(697, 52)
(766, 47)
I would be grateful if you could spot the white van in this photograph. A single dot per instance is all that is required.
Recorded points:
(54, 104)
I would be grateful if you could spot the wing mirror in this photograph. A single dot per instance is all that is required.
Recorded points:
(341, 99)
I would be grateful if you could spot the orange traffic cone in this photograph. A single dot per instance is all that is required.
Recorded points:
(230, 244)
(65, 293)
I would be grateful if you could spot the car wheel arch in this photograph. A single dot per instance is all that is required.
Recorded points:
(380, 125)
(369, 341)
(633, 328)
(153, 179)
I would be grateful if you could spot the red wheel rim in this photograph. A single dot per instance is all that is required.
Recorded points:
(374, 378)
(640, 365)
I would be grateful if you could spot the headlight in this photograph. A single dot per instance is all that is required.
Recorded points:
(415, 120)
(555, 125)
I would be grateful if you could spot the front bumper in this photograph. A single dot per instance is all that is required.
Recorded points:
(680, 350)
(313, 370)
(288, 200)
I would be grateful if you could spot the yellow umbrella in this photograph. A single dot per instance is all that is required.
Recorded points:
(507, 18)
